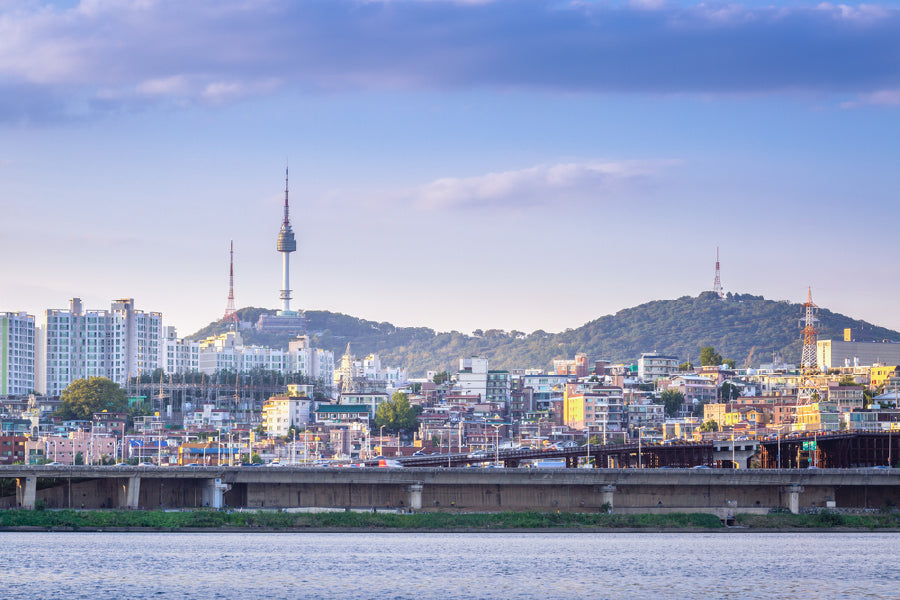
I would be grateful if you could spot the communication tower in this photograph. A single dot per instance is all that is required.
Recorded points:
(808, 361)
(286, 244)
(717, 284)
(230, 312)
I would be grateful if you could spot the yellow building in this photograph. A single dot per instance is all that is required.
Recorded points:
(599, 407)
(818, 416)
(880, 374)
(715, 411)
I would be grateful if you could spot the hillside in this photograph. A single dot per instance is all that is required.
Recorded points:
(743, 327)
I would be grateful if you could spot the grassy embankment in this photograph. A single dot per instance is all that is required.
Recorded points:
(249, 520)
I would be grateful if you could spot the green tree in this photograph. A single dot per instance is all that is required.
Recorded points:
(84, 397)
(672, 400)
(847, 380)
(396, 414)
(79, 458)
(710, 425)
(441, 377)
(729, 392)
(686, 366)
(709, 356)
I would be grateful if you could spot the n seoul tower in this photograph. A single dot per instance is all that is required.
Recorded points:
(286, 244)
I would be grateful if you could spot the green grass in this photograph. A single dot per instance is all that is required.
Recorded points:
(823, 519)
(250, 520)
(355, 520)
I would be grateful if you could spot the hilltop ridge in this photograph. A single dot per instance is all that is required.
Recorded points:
(744, 327)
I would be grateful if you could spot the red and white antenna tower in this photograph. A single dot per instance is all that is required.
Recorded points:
(230, 312)
(717, 284)
(808, 361)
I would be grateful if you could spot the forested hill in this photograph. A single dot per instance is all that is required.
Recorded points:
(743, 327)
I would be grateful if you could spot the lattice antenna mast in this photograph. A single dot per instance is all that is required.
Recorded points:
(717, 284)
(230, 312)
(808, 361)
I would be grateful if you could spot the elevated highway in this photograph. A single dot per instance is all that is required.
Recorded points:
(718, 491)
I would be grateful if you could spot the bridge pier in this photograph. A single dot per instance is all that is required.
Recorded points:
(133, 492)
(213, 493)
(793, 492)
(606, 495)
(415, 496)
(26, 492)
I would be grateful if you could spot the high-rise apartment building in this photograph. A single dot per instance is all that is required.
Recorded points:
(17, 353)
(178, 356)
(118, 344)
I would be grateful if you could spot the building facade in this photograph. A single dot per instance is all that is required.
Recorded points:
(653, 366)
(118, 344)
(17, 354)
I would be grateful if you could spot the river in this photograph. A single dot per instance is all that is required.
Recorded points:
(448, 566)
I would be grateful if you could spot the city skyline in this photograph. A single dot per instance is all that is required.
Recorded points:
(456, 165)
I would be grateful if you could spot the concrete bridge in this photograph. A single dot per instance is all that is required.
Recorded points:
(717, 491)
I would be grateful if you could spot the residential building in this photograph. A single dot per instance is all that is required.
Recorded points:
(334, 414)
(17, 354)
(880, 375)
(846, 397)
(65, 449)
(817, 416)
(594, 407)
(119, 343)
(644, 414)
(370, 400)
(281, 412)
(475, 378)
(228, 352)
(178, 356)
(652, 366)
(696, 389)
(12, 449)
(207, 418)
(578, 367)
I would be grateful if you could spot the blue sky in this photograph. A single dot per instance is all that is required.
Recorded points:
(459, 165)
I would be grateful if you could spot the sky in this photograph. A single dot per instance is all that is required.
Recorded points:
(459, 165)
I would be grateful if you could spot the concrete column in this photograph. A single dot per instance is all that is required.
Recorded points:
(793, 500)
(415, 496)
(26, 492)
(606, 495)
(214, 492)
(134, 492)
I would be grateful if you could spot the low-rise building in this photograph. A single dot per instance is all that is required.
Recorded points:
(652, 366)
(280, 413)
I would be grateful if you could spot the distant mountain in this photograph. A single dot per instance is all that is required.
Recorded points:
(741, 326)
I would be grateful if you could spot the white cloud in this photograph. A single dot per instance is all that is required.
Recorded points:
(879, 98)
(861, 13)
(538, 185)
(176, 85)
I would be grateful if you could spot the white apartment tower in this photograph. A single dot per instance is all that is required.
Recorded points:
(118, 344)
(17, 354)
(178, 356)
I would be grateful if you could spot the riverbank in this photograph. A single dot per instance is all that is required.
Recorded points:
(268, 520)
